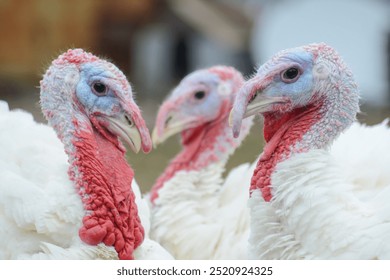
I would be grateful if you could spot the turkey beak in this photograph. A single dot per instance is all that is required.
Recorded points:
(140, 128)
(130, 127)
(168, 125)
(124, 127)
(251, 100)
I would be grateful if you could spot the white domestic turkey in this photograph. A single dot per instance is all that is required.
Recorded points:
(321, 188)
(67, 191)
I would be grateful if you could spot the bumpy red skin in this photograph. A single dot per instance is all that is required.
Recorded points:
(281, 132)
(112, 215)
(97, 161)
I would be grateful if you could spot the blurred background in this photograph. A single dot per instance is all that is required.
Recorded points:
(158, 42)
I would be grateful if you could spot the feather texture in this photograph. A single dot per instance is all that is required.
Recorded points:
(326, 196)
(66, 190)
(214, 221)
(322, 186)
(40, 211)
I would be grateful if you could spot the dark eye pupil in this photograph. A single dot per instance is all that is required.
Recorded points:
(99, 87)
(291, 73)
(199, 94)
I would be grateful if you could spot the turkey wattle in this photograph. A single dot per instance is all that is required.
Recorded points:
(321, 189)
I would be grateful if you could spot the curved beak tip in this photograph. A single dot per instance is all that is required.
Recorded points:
(147, 150)
(235, 124)
(236, 131)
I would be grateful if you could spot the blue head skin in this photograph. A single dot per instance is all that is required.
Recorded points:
(80, 85)
(200, 98)
(96, 88)
(298, 65)
(196, 98)
(295, 78)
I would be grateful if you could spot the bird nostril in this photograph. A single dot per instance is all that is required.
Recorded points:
(252, 98)
(167, 121)
(129, 121)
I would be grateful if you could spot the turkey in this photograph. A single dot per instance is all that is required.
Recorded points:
(196, 214)
(321, 188)
(75, 199)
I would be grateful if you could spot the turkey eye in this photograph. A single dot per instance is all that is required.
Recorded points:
(199, 94)
(290, 75)
(99, 89)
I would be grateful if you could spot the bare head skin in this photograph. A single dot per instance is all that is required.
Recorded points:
(89, 103)
(198, 109)
(307, 96)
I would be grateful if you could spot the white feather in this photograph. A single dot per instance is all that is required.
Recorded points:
(40, 211)
(340, 197)
(150, 249)
(198, 216)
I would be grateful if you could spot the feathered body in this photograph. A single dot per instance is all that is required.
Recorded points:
(196, 214)
(72, 199)
(321, 186)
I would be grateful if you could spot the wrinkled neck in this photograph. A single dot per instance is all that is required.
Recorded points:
(311, 127)
(204, 145)
(288, 129)
(103, 179)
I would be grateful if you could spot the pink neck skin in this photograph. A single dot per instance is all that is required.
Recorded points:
(282, 133)
(103, 179)
(210, 143)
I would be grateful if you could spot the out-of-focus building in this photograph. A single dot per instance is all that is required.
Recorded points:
(189, 35)
(33, 32)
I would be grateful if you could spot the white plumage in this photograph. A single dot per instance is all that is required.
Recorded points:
(321, 189)
(40, 212)
(320, 192)
(149, 249)
(67, 191)
(206, 218)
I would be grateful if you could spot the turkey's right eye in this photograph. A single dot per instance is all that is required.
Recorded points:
(99, 89)
(199, 95)
(290, 75)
